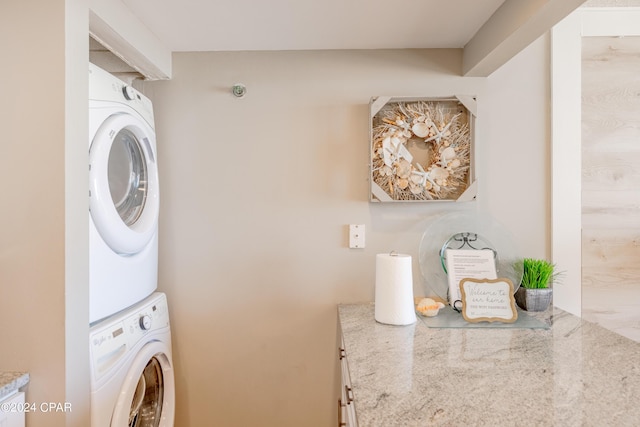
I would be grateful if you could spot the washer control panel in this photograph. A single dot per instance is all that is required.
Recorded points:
(145, 322)
(111, 339)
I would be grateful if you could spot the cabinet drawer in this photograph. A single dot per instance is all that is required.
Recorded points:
(347, 410)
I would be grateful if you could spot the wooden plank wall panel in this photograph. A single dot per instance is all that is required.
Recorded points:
(611, 183)
(612, 249)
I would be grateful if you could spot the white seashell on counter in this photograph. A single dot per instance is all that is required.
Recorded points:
(429, 307)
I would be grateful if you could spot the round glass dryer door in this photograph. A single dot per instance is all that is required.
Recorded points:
(147, 398)
(127, 176)
(123, 177)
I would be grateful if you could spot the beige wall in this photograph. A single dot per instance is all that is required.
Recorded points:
(43, 229)
(515, 152)
(257, 194)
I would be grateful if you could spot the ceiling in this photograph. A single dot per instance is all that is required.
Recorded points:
(235, 25)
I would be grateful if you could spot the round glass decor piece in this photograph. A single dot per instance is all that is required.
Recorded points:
(465, 230)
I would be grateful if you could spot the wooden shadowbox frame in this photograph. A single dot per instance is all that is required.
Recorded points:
(408, 166)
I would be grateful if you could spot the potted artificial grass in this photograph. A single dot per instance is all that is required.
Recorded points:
(534, 293)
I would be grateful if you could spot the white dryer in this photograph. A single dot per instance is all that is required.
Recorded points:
(132, 378)
(123, 196)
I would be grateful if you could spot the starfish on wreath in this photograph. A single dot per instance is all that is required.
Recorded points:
(439, 134)
(420, 177)
(393, 150)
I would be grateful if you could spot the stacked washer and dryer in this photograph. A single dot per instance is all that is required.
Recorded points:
(132, 379)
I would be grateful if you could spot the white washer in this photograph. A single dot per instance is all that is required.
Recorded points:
(123, 196)
(132, 378)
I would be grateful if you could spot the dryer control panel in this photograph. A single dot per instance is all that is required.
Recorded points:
(104, 86)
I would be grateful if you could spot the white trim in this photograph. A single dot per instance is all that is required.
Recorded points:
(566, 203)
(113, 25)
(610, 22)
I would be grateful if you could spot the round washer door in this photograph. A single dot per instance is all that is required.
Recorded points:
(147, 398)
(123, 174)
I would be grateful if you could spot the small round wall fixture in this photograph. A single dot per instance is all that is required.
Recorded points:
(239, 90)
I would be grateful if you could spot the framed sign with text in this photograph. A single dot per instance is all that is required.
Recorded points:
(488, 300)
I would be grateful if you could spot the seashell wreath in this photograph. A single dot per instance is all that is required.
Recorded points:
(445, 175)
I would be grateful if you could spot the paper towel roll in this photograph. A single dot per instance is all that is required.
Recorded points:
(394, 290)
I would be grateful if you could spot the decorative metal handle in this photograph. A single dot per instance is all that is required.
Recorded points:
(349, 394)
(340, 406)
(342, 353)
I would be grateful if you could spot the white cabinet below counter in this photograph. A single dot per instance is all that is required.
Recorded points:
(11, 414)
(346, 405)
(12, 398)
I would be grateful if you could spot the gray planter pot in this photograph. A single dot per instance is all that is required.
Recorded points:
(533, 299)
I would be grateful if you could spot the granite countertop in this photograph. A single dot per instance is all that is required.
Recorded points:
(573, 374)
(11, 382)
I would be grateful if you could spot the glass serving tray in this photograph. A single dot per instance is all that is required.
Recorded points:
(449, 318)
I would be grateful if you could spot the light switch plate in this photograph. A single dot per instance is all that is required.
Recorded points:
(356, 236)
